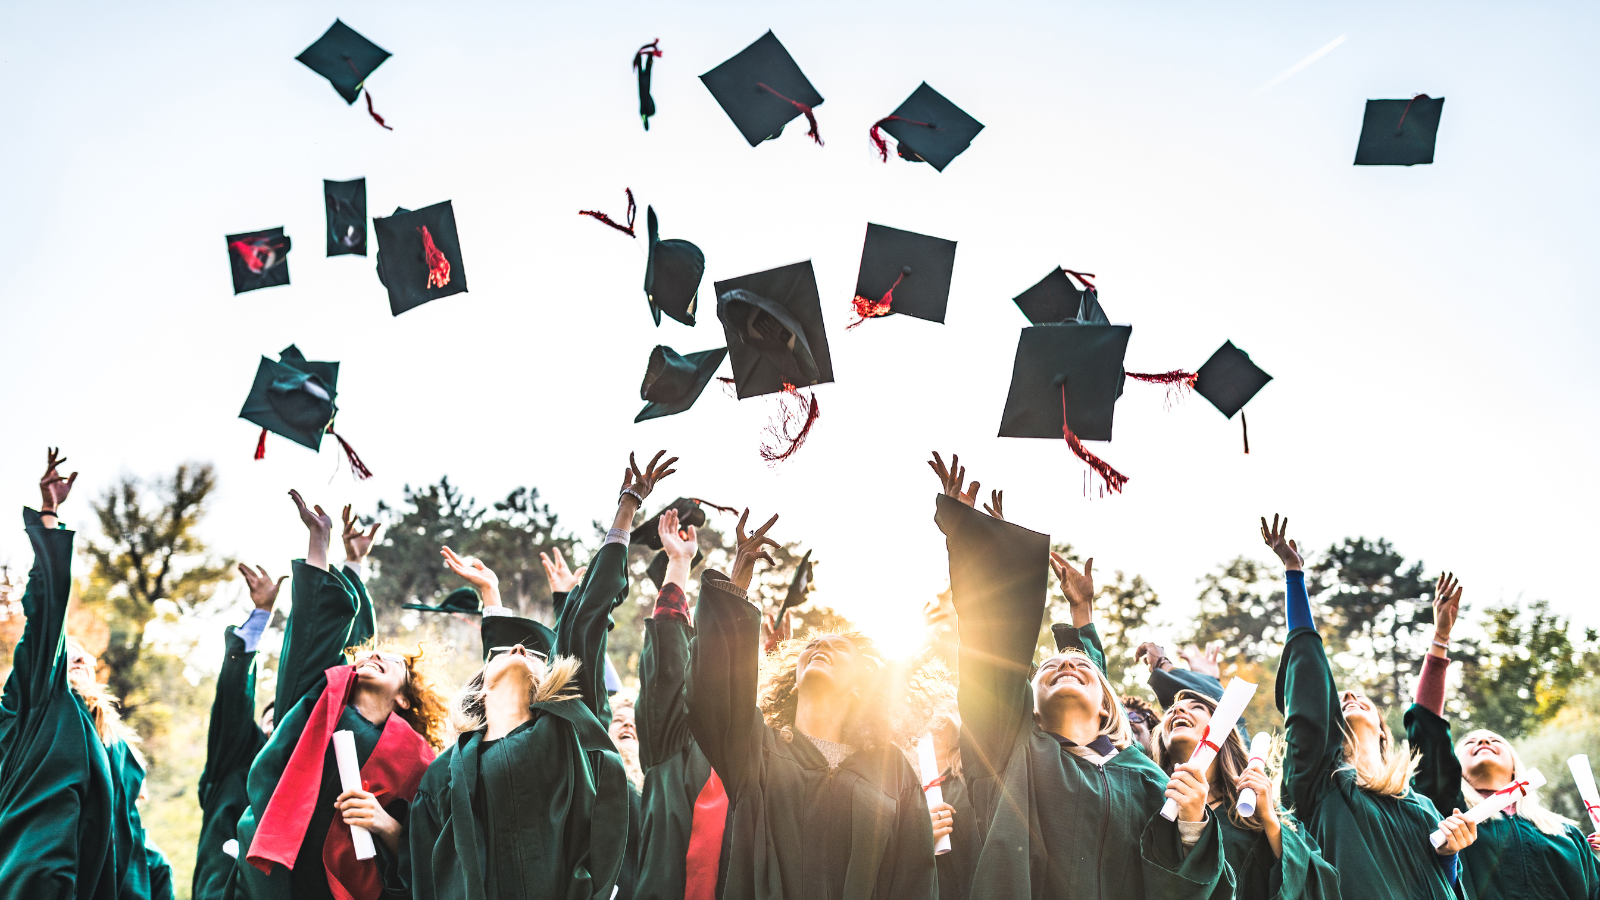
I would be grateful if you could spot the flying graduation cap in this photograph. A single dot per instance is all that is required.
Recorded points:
(903, 272)
(258, 259)
(643, 59)
(346, 59)
(673, 382)
(419, 256)
(672, 274)
(1057, 299)
(690, 514)
(347, 216)
(462, 601)
(777, 345)
(295, 398)
(1229, 380)
(761, 88)
(926, 128)
(799, 587)
(1064, 384)
(1399, 132)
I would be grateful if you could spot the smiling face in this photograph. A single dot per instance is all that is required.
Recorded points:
(381, 672)
(1067, 680)
(1360, 714)
(1185, 724)
(622, 726)
(80, 664)
(1486, 760)
(830, 662)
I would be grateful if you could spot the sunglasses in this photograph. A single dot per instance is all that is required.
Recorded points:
(496, 651)
(365, 655)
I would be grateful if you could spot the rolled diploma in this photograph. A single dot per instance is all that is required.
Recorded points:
(344, 753)
(928, 762)
(1584, 776)
(1234, 699)
(231, 847)
(1259, 745)
(1494, 803)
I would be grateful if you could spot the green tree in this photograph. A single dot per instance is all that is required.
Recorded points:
(1124, 609)
(1521, 673)
(1241, 604)
(1373, 605)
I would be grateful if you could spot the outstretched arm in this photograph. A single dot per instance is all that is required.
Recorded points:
(1306, 693)
(1079, 590)
(663, 710)
(1438, 775)
(40, 659)
(322, 613)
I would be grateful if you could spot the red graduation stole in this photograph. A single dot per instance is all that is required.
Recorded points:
(393, 771)
(705, 841)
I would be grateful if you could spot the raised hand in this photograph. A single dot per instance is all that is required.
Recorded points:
(561, 580)
(1277, 537)
(1078, 586)
(476, 573)
(53, 488)
(1151, 654)
(357, 544)
(750, 548)
(639, 484)
(680, 544)
(1207, 661)
(993, 507)
(1446, 606)
(263, 590)
(320, 529)
(952, 478)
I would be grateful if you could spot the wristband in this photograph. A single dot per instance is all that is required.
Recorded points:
(1442, 645)
(48, 512)
(633, 493)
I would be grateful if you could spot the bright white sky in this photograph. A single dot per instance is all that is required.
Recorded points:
(1431, 329)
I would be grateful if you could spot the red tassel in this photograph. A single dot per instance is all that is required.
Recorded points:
(651, 49)
(773, 448)
(356, 465)
(633, 210)
(438, 266)
(726, 509)
(261, 445)
(1086, 277)
(1178, 382)
(256, 255)
(374, 113)
(810, 116)
(1112, 479)
(1403, 114)
(878, 140)
(871, 309)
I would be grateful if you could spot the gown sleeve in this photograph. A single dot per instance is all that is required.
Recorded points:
(663, 709)
(1309, 702)
(232, 736)
(1169, 874)
(322, 613)
(1085, 639)
(39, 661)
(1438, 775)
(723, 670)
(586, 619)
(1167, 684)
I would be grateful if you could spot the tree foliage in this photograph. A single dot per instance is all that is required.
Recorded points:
(1125, 607)
(1373, 605)
(1522, 671)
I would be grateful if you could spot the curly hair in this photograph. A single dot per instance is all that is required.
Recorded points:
(425, 709)
(896, 701)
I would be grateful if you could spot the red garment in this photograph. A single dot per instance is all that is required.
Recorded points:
(705, 841)
(1430, 689)
(392, 772)
(671, 603)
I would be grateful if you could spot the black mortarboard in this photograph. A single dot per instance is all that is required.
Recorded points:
(657, 571)
(1229, 380)
(1399, 132)
(929, 129)
(761, 88)
(798, 586)
(912, 271)
(293, 397)
(347, 216)
(672, 275)
(419, 256)
(690, 514)
(673, 382)
(773, 321)
(643, 59)
(258, 259)
(1055, 299)
(345, 58)
(462, 600)
(1076, 367)
(509, 631)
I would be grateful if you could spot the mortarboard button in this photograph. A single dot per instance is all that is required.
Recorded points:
(643, 59)
(761, 88)
(1055, 299)
(673, 382)
(258, 259)
(903, 272)
(1399, 132)
(419, 256)
(347, 216)
(1230, 380)
(1064, 384)
(672, 275)
(928, 128)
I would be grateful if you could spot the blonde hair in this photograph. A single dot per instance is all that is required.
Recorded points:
(1529, 807)
(423, 689)
(1230, 764)
(102, 705)
(1113, 720)
(1390, 775)
(558, 681)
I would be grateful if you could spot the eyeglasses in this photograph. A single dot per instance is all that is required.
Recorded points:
(1136, 717)
(364, 655)
(497, 651)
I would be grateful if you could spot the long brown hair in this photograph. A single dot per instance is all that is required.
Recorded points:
(1230, 764)
(425, 709)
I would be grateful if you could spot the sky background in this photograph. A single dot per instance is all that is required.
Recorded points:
(1430, 329)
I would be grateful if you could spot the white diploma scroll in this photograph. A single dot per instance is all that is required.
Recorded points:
(1234, 699)
(1488, 806)
(344, 752)
(1259, 746)
(1584, 776)
(231, 847)
(928, 765)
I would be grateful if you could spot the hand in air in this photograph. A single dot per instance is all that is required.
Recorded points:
(315, 520)
(476, 573)
(1446, 605)
(1277, 537)
(1458, 833)
(993, 507)
(53, 488)
(952, 478)
(1078, 586)
(1151, 654)
(561, 580)
(644, 482)
(1207, 661)
(263, 590)
(750, 548)
(357, 543)
(680, 543)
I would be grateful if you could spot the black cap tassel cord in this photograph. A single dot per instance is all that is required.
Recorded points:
(370, 111)
(633, 209)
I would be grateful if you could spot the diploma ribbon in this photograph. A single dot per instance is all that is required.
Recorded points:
(1592, 809)
(933, 784)
(1517, 786)
(1205, 741)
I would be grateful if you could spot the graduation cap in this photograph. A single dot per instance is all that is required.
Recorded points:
(259, 259)
(295, 397)
(903, 272)
(928, 128)
(509, 631)
(1056, 299)
(419, 256)
(463, 600)
(672, 274)
(1399, 132)
(345, 58)
(1229, 380)
(1064, 383)
(657, 571)
(347, 216)
(761, 89)
(643, 59)
(773, 322)
(798, 586)
(673, 382)
(690, 514)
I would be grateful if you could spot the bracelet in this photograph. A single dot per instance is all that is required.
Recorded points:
(1442, 645)
(48, 512)
(633, 493)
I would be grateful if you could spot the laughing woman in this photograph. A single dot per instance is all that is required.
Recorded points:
(532, 800)
(1526, 851)
(1343, 775)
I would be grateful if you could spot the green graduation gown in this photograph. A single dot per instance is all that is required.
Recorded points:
(57, 791)
(799, 830)
(1379, 844)
(1052, 824)
(1511, 859)
(137, 881)
(955, 868)
(1260, 875)
(541, 813)
(232, 741)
